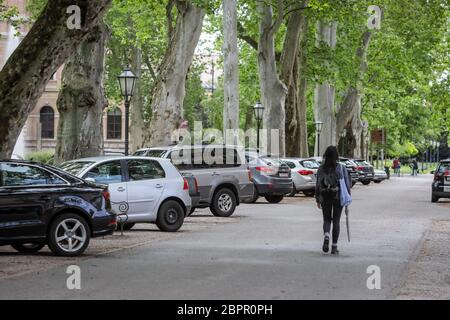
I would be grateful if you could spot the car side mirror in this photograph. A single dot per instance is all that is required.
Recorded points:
(90, 180)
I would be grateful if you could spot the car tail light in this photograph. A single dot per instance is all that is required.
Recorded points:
(359, 168)
(266, 170)
(196, 185)
(186, 184)
(107, 196)
(305, 172)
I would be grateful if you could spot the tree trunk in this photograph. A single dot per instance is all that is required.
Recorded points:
(273, 90)
(169, 90)
(324, 95)
(137, 123)
(82, 99)
(289, 75)
(231, 67)
(46, 47)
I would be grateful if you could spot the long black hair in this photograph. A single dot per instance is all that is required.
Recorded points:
(331, 158)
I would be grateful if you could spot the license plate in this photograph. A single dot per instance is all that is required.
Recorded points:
(284, 175)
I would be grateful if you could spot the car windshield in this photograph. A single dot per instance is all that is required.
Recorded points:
(310, 164)
(156, 153)
(140, 153)
(75, 167)
(272, 161)
(362, 163)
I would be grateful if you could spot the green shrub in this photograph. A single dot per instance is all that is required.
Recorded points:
(46, 157)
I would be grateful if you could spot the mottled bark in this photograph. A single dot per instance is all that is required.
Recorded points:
(273, 90)
(169, 91)
(137, 123)
(231, 67)
(324, 95)
(289, 75)
(82, 99)
(45, 48)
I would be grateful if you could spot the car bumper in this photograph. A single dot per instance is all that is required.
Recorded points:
(274, 189)
(307, 186)
(104, 226)
(438, 191)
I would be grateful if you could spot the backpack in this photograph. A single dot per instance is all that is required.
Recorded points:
(329, 183)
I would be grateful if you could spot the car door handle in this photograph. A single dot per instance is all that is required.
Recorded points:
(121, 189)
(159, 186)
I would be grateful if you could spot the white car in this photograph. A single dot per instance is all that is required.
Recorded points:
(148, 190)
(303, 174)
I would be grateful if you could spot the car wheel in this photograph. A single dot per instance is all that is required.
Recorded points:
(379, 181)
(69, 235)
(224, 203)
(170, 216)
(28, 247)
(434, 199)
(309, 193)
(274, 199)
(366, 182)
(126, 226)
(191, 211)
(293, 192)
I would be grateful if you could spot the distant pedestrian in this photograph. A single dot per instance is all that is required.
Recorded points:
(328, 196)
(396, 166)
(414, 167)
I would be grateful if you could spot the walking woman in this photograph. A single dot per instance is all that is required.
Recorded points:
(328, 195)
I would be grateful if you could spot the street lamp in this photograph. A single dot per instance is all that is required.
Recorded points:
(259, 113)
(438, 145)
(127, 81)
(343, 135)
(319, 125)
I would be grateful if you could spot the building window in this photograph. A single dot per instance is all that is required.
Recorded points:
(47, 117)
(114, 125)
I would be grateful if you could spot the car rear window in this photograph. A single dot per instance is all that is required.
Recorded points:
(310, 164)
(75, 167)
(155, 153)
(444, 167)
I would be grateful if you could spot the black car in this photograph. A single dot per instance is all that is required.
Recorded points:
(365, 170)
(351, 168)
(42, 205)
(272, 177)
(441, 184)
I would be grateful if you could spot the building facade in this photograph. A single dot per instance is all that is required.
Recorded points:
(39, 132)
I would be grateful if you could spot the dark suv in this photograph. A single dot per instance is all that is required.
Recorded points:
(441, 184)
(41, 205)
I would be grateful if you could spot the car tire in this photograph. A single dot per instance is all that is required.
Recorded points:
(170, 216)
(28, 247)
(70, 228)
(309, 193)
(366, 182)
(191, 212)
(353, 183)
(434, 199)
(293, 192)
(224, 203)
(377, 181)
(274, 199)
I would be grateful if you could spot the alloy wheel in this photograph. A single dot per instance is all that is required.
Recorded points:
(70, 235)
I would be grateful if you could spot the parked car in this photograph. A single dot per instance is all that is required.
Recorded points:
(151, 190)
(303, 178)
(272, 177)
(379, 176)
(42, 205)
(352, 169)
(194, 193)
(441, 184)
(365, 171)
(224, 179)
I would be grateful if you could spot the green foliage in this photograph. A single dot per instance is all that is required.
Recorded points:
(41, 156)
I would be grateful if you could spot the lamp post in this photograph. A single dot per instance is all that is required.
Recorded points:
(438, 145)
(259, 113)
(319, 125)
(127, 81)
(343, 135)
